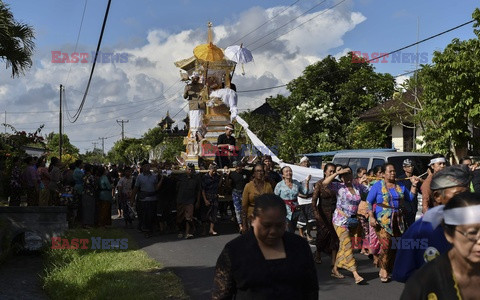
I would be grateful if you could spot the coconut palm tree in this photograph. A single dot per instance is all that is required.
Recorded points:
(16, 42)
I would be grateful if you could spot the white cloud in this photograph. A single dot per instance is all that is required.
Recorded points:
(144, 88)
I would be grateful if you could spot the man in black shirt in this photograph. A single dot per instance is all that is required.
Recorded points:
(238, 179)
(188, 194)
(226, 147)
(270, 175)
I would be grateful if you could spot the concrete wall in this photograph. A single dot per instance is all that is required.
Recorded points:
(397, 137)
(37, 224)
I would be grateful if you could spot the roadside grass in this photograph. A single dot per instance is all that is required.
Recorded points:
(107, 274)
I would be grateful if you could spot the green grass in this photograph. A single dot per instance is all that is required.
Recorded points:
(107, 274)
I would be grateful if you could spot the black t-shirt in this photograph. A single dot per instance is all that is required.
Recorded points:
(188, 189)
(274, 176)
(224, 139)
(239, 180)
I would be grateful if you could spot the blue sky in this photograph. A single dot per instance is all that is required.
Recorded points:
(156, 33)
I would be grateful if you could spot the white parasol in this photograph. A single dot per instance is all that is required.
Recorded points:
(239, 55)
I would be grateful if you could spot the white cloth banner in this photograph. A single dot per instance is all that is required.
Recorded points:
(299, 173)
(229, 97)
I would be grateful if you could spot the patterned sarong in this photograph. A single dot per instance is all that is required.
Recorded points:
(386, 257)
(345, 259)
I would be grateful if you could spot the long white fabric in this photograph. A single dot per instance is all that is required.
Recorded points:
(229, 97)
(299, 173)
(456, 216)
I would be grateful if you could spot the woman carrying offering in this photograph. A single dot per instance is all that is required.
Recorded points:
(387, 219)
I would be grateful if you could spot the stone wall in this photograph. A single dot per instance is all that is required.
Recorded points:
(35, 225)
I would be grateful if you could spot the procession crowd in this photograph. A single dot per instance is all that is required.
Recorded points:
(373, 212)
(366, 212)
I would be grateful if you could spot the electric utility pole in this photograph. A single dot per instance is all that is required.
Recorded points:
(103, 144)
(123, 132)
(60, 138)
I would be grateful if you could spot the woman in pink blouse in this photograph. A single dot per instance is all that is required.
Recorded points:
(349, 194)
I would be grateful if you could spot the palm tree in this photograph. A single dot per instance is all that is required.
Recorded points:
(16, 42)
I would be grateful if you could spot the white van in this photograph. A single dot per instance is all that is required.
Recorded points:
(371, 159)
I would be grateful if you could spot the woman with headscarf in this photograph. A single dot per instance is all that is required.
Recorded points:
(387, 218)
(348, 194)
(267, 262)
(455, 274)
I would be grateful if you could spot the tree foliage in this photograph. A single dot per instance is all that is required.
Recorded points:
(450, 100)
(16, 42)
(117, 153)
(322, 111)
(136, 152)
(53, 144)
(154, 136)
(93, 157)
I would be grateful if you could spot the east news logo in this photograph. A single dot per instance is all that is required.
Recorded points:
(95, 243)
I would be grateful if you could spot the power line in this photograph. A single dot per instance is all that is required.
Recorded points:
(134, 102)
(78, 37)
(301, 24)
(266, 22)
(424, 40)
(305, 12)
(262, 89)
(77, 114)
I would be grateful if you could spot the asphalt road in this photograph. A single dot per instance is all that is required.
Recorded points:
(194, 262)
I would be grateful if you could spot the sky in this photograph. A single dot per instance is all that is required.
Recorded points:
(148, 36)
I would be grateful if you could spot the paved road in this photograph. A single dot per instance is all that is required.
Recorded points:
(20, 278)
(194, 262)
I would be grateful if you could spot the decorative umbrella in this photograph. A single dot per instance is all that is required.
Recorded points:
(208, 52)
(239, 55)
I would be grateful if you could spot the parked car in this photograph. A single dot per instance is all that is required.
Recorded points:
(371, 159)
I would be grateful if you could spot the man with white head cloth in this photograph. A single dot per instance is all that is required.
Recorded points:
(437, 163)
(425, 240)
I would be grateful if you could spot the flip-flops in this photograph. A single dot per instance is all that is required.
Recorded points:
(360, 280)
(338, 275)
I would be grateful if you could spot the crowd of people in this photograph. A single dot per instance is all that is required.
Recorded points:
(371, 213)
(367, 213)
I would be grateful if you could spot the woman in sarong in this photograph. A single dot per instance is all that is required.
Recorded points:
(387, 217)
(323, 203)
(344, 219)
